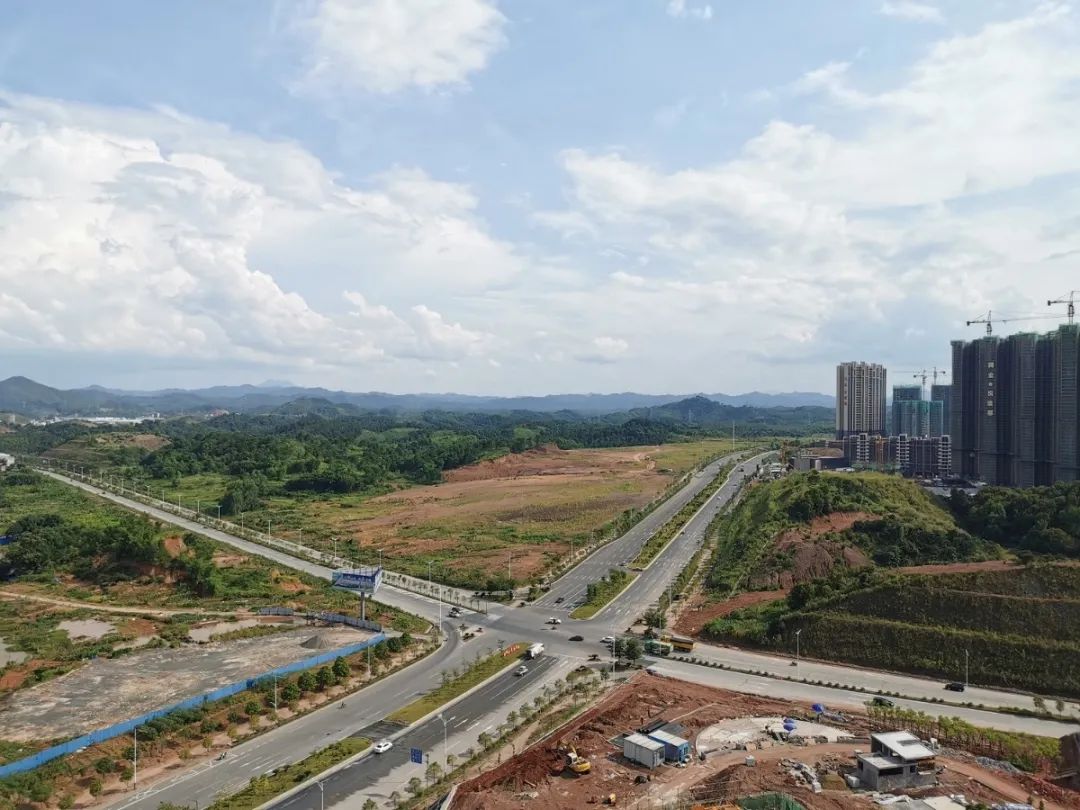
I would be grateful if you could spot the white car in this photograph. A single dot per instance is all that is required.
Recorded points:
(554, 620)
(382, 746)
(521, 670)
(607, 640)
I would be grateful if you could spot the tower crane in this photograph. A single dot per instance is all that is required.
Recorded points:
(989, 320)
(1068, 298)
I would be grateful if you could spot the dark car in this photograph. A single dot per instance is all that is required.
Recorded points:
(559, 600)
(577, 638)
(955, 686)
(882, 701)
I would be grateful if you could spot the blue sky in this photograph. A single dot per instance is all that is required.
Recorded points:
(527, 197)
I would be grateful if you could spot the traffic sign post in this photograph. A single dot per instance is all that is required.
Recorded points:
(416, 755)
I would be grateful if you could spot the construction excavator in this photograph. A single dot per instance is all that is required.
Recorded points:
(577, 764)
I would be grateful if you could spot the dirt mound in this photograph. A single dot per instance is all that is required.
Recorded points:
(320, 642)
(809, 552)
(549, 460)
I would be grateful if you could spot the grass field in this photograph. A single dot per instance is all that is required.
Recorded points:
(533, 504)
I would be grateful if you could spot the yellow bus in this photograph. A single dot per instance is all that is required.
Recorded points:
(679, 643)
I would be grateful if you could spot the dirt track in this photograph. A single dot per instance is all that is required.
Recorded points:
(13, 595)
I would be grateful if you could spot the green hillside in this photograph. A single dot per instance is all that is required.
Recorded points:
(1020, 626)
(901, 525)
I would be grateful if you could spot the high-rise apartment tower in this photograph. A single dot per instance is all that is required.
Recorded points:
(860, 399)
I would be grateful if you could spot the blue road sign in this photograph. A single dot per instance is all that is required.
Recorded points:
(416, 755)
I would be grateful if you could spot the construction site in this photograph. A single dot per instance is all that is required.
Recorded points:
(657, 742)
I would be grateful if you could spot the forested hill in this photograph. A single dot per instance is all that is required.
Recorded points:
(32, 399)
(708, 413)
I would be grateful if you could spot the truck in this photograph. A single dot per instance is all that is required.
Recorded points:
(534, 651)
(654, 647)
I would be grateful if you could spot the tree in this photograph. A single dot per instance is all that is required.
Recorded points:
(654, 617)
(618, 649)
(252, 708)
(290, 692)
(95, 787)
(105, 765)
(415, 786)
(394, 798)
(632, 649)
(324, 678)
(370, 805)
(341, 667)
(434, 772)
(306, 682)
(485, 740)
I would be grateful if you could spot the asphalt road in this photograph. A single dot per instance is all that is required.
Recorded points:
(570, 587)
(467, 714)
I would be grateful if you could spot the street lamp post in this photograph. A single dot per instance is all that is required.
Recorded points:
(440, 716)
(965, 667)
(135, 761)
(322, 796)
(797, 633)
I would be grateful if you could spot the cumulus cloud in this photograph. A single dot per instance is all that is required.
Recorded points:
(151, 234)
(682, 9)
(937, 190)
(908, 10)
(385, 46)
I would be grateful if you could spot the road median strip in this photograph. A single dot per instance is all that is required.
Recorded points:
(455, 687)
(662, 537)
(600, 594)
(269, 788)
(464, 685)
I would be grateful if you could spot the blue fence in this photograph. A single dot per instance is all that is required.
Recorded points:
(127, 726)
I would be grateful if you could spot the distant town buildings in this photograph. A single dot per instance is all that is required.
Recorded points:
(860, 399)
(1015, 408)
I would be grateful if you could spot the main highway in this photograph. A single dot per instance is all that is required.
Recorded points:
(376, 776)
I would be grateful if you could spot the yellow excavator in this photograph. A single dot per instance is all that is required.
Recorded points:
(577, 764)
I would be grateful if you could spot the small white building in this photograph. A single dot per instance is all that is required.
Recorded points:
(6, 461)
(897, 759)
(640, 749)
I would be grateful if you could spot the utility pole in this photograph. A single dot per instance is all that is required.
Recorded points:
(275, 692)
(965, 667)
(135, 761)
(732, 435)
(797, 633)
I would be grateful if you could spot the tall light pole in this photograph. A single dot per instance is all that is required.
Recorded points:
(219, 511)
(965, 667)
(135, 761)
(440, 716)
(797, 634)
(335, 551)
(322, 797)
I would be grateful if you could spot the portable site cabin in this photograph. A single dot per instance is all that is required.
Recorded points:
(896, 760)
(642, 750)
(676, 749)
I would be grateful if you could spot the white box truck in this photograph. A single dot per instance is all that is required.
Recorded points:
(534, 651)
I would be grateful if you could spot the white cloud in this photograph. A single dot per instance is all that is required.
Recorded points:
(144, 233)
(908, 10)
(384, 46)
(603, 349)
(920, 200)
(680, 9)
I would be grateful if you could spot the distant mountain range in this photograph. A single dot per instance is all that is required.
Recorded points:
(32, 399)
